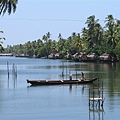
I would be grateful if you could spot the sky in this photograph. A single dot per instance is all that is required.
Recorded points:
(34, 18)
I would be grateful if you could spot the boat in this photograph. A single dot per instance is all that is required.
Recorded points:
(59, 82)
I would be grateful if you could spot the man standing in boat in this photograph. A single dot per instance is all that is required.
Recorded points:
(83, 76)
(70, 76)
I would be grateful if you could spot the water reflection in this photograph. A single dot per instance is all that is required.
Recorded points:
(12, 82)
(96, 114)
(67, 98)
(96, 101)
(70, 88)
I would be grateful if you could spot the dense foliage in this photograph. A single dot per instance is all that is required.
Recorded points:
(7, 5)
(93, 38)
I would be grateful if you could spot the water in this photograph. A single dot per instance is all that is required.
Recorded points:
(19, 100)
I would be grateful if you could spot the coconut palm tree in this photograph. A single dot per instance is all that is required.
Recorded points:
(93, 33)
(91, 25)
(112, 31)
(8, 5)
(1, 41)
(59, 36)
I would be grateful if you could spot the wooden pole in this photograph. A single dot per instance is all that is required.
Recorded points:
(16, 71)
(102, 95)
(89, 97)
(63, 71)
(62, 75)
(93, 96)
(13, 69)
(76, 71)
(66, 73)
(99, 97)
(70, 68)
(8, 69)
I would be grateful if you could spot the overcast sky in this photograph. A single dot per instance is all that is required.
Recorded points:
(34, 18)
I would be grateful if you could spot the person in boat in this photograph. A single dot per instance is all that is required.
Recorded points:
(83, 76)
(70, 76)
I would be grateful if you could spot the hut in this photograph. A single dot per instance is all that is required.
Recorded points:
(80, 57)
(68, 57)
(54, 56)
(57, 56)
(105, 57)
(83, 57)
(51, 56)
(76, 57)
(92, 57)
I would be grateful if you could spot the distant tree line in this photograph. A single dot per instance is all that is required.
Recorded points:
(93, 38)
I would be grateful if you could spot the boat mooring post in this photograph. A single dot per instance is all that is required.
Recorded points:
(89, 98)
(63, 71)
(66, 72)
(14, 71)
(102, 95)
(62, 75)
(76, 71)
(8, 69)
(93, 96)
(70, 68)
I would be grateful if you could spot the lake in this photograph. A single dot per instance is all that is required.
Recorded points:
(19, 100)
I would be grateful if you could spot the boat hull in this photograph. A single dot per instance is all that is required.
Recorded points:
(59, 82)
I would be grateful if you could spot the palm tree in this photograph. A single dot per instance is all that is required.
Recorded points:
(92, 35)
(112, 32)
(1, 41)
(48, 35)
(118, 29)
(91, 25)
(8, 5)
(74, 43)
(47, 42)
(59, 36)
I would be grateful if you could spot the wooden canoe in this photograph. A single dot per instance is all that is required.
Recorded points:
(58, 82)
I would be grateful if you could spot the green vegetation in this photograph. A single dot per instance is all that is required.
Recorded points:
(1, 41)
(7, 5)
(93, 38)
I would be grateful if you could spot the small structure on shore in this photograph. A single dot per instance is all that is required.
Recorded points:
(83, 57)
(6, 54)
(68, 57)
(92, 57)
(108, 58)
(54, 56)
(80, 57)
(76, 57)
(105, 57)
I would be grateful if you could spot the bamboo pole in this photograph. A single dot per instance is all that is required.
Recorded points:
(63, 71)
(89, 98)
(16, 71)
(66, 72)
(102, 95)
(76, 71)
(8, 69)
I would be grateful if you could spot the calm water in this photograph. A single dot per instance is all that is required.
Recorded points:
(19, 100)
